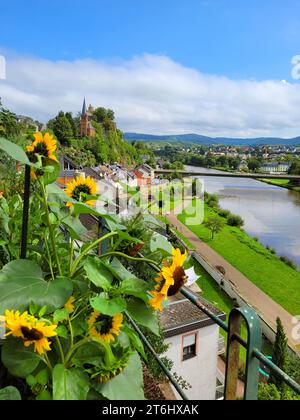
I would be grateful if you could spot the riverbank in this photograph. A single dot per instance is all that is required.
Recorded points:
(257, 263)
(283, 183)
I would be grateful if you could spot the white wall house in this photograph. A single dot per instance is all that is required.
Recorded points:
(193, 341)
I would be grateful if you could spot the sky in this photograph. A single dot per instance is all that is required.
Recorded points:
(213, 67)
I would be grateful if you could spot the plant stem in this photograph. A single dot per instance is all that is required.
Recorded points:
(87, 250)
(120, 254)
(51, 232)
(49, 259)
(47, 361)
(74, 348)
(62, 355)
(71, 253)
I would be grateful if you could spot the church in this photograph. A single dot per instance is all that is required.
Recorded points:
(86, 126)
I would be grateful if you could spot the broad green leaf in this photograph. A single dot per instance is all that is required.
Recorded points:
(62, 332)
(44, 395)
(19, 360)
(98, 274)
(135, 341)
(107, 306)
(51, 171)
(60, 315)
(126, 386)
(21, 282)
(159, 242)
(42, 377)
(75, 227)
(119, 271)
(10, 393)
(15, 151)
(143, 315)
(69, 385)
(135, 287)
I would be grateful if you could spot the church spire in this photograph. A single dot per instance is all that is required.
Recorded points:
(83, 108)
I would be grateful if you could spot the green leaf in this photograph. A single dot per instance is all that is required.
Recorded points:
(135, 287)
(109, 306)
(160, 243)
(143, 315)
(19, 360)
(10, 394)
(69, 385)
(60, 315)
(126, 386)
(98, 274)
(42, 377)
(135, 341)
(21, 283)
(15, 151)
(119, 271)
(44, 395)
(51, 171)
(62, 332)
(75, 227)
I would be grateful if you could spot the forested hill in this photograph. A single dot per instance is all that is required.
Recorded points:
(107, 146)
(198, 139)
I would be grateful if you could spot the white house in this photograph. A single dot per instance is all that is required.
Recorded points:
(194, 346)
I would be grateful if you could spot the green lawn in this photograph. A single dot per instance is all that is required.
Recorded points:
(285, 183)
(264, 269)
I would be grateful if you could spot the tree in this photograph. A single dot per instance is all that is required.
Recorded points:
(74, 124)
(254, 165)
(8, 123)
(215, 225)
(62, 128)
(280, 354)
(295, 168)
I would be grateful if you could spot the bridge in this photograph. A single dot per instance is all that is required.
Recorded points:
(229, 175)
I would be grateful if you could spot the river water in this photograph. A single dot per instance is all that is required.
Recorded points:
(270, 213)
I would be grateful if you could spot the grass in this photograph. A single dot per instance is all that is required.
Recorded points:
(217, 297)
(258, 264)
(284, 183)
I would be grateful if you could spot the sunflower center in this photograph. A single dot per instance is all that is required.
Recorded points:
(104, 324)
(179, 280)
(31, 334)
(79, 190)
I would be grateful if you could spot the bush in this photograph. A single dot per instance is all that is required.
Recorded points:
(289, 262)
(235, 220)
(224, 213)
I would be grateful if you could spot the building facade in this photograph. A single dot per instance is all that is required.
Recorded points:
(194, 346)
(86, 126)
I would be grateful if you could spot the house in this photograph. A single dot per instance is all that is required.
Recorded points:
(194, 346)
(144, 174)
(69, 169)
(86, 126)
(276, 167)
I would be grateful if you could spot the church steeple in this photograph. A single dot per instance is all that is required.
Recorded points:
(83, 108)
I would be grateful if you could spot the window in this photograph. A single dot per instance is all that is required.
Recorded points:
(189, 346)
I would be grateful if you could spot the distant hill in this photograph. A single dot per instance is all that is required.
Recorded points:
(198, 139)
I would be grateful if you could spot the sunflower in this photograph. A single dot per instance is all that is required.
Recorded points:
(104, 327)
(170, 280)
(80, 187)
(69, 306)
(31, 330)
(44, 146)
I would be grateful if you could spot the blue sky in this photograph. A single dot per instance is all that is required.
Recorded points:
(239, 40)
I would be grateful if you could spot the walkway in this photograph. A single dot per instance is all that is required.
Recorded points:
(267, 308)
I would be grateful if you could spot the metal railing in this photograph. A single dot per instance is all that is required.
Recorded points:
(253, 347)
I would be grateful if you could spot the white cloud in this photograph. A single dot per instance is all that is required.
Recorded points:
(153, 94)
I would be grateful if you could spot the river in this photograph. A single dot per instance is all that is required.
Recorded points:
(271, 213)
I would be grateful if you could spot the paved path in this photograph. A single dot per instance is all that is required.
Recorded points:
(266, 307)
